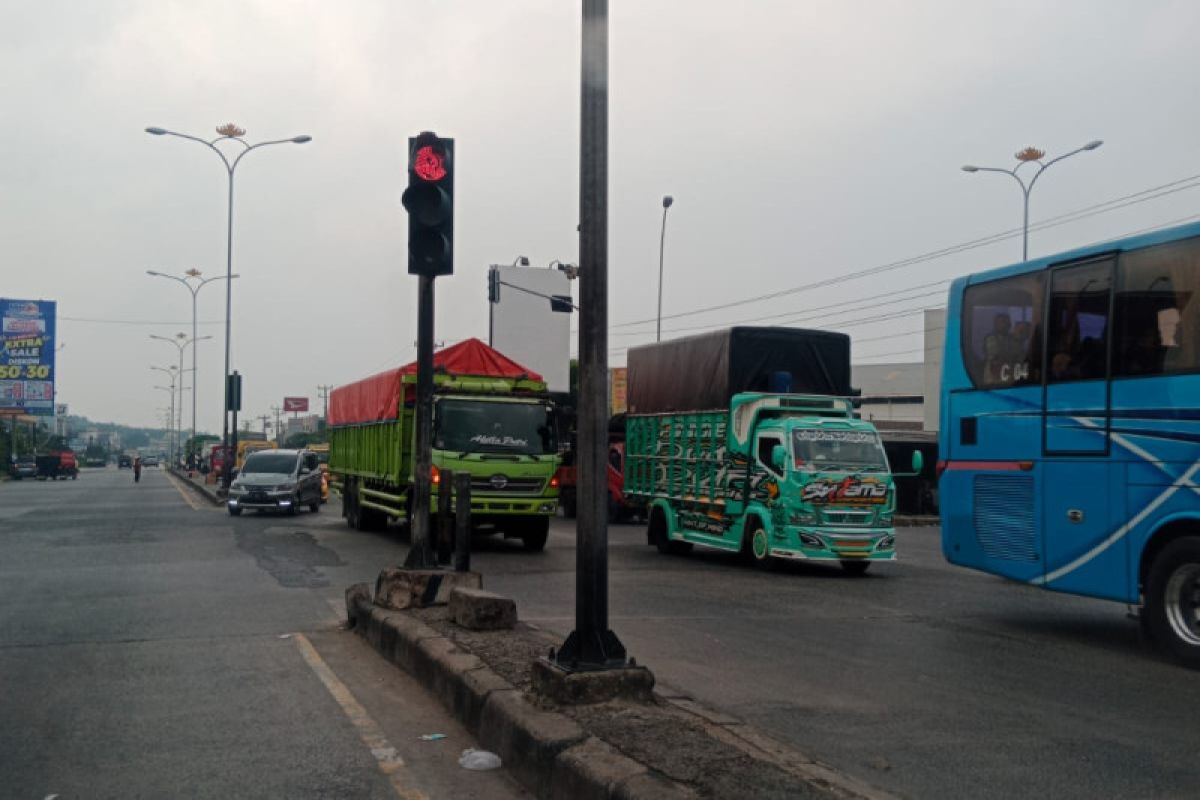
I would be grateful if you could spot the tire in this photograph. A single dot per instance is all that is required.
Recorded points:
(614, 511)
(756, 545)
(657, 534)
(856, 568)
(291, 510)
(1171, 614)
(568, 505)
(314, 506)
(534, 533)
(234, 512)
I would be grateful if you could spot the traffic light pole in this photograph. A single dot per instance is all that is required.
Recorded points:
(592, 645)
(420, 554)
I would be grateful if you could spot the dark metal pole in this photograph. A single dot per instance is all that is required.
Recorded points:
(592, 645)
(462, 522)
(420, 555)
(445, 528)
(229, 443)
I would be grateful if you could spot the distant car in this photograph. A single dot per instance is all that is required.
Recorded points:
(124, 462)
(24, 467)
(150, 461)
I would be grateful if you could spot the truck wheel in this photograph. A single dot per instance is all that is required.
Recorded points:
(614, 511)
(756, 545)
(350, 503)
(534, 533)
(567, 501)
(658, 537)
(1172, 609)
(856, 568)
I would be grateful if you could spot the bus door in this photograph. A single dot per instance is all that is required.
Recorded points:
(1076, 422)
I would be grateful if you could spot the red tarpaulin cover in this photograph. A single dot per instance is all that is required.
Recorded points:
(378, 397)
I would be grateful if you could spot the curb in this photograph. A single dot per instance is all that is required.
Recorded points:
(208, 494)
(547, 752)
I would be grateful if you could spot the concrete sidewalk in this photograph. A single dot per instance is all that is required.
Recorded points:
(198, 484)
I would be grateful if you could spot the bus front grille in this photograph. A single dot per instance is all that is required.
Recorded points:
(1004, 516)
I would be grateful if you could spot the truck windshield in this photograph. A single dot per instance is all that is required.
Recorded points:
(269, 463)
(825, 449)
(471, 426)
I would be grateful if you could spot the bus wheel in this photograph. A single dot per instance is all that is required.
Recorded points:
(856, 568)
(756, 547)
(1172, 610)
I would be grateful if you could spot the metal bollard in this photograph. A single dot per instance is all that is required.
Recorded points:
(462, 522)
(444, 531)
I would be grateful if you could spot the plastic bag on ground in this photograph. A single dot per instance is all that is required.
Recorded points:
(478, 759)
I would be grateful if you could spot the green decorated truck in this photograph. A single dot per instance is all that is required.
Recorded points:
(746, 440)
(492, 418)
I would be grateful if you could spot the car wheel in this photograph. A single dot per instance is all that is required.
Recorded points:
(314, 506)
(234, 512)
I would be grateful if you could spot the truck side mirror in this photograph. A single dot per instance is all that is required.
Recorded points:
(779, 458)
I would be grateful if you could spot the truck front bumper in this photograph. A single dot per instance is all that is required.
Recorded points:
(841, 544)
(545, 506)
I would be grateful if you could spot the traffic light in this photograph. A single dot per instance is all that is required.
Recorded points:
(493, 285)
(429, 200)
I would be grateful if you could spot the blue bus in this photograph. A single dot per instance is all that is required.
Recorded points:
(1069, 449)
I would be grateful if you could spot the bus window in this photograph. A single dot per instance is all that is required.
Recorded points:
(1001, 331)
(1158, 319)
(1077, 324)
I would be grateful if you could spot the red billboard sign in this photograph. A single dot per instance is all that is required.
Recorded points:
(295, 404)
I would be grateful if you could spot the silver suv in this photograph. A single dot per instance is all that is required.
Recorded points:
(276, 480)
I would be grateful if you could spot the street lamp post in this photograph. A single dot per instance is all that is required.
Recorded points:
(171, 372)
(1034, 156)
(662, 243)
(194, 288)
(181, 342)
(229, 132)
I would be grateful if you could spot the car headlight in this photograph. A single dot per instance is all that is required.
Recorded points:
(284, 487)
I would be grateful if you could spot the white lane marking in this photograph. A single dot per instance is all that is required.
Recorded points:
(389, 761)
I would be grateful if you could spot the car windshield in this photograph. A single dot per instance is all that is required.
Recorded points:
(273, 463)
(826, 449)
(471, 426)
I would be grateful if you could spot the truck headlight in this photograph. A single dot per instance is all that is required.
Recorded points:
(809, 540)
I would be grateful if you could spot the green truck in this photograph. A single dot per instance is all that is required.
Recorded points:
(492, 418)
(746, 440)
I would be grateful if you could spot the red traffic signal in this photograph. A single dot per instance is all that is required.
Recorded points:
(429, 165)
(429, 200)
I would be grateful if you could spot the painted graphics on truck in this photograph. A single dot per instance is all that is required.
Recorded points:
(492, 419)
(769, 474)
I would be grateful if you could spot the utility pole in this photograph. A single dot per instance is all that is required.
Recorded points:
(276, 410)
(264, 419)
(592, 645)
(323, 393)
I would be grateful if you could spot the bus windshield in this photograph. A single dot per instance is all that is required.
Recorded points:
(472, 426)
(826, 449)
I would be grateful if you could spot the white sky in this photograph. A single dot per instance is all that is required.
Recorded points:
(801, 141)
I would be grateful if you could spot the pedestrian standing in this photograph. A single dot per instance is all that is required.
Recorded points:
(137, 469)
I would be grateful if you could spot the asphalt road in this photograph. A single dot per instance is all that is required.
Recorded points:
(151, 646)
(139, 648)
(921, 678)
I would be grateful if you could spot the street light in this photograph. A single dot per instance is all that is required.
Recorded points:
(194, 288)
(170, 371)
(1026, 156)
(181, 341)
(662, 242)
(228, 132)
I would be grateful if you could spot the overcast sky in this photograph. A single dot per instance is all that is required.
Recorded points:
(801, 141)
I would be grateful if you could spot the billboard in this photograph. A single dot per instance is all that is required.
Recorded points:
(617, 381)
(525, 327)
(295, 404)
(27, 340)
